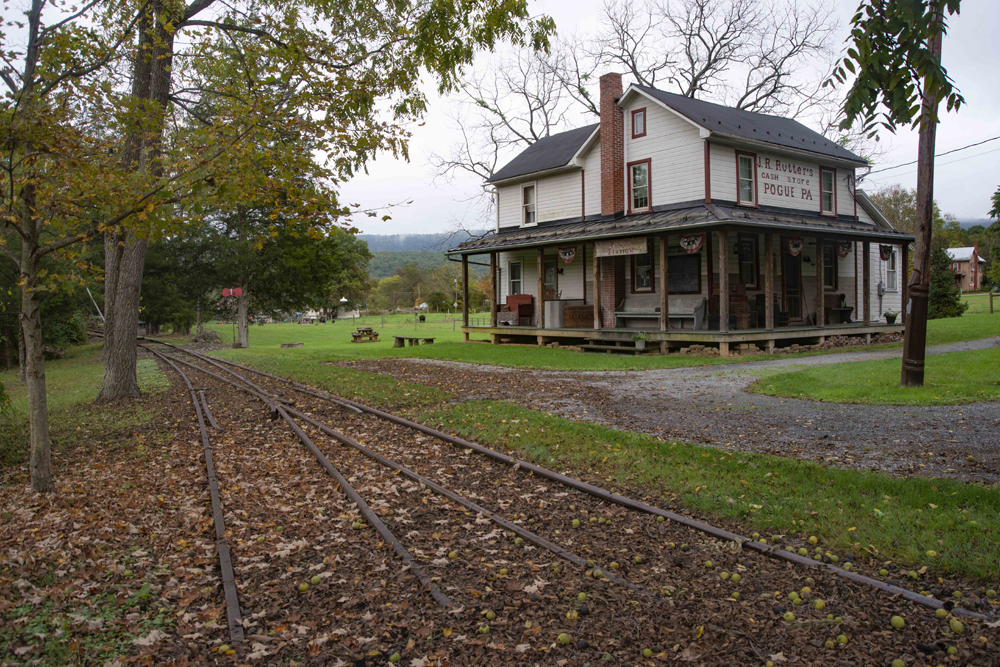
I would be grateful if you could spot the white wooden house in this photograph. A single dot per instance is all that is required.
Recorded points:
(691, 222)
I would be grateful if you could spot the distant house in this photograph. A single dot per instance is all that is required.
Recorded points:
(968, 267)
(691, 222)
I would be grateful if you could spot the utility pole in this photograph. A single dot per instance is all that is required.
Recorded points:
(915, 316)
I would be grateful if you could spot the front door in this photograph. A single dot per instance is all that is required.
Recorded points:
(551, 267)
(792, 282)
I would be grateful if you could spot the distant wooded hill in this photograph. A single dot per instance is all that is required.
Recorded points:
(385, 264)
(415, 242)
(425, 251)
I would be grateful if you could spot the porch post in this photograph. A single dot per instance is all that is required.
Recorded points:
(493, 289)
(820, 300)
(903, 277)
(597, 289)
(465, 295)
(867, 279)
(768, 282)
(723, 282)
(664, 285)
(541, 288)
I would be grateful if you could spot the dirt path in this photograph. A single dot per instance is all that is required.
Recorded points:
(708, 405)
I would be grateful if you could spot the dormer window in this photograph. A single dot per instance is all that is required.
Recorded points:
(746, 173)
(639, 195)
(528, 204)
(639, 123)
(828, 191)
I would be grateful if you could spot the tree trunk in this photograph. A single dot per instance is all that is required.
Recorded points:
(124, 258)
(200, 329)
(918, 285)
(22, 361)
(34, 349)
(242, 328)
(124, 253)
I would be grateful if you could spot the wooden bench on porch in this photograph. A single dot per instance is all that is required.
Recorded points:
(680, 308)
(401, 341)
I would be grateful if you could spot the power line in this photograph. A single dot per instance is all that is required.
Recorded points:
(961, 159)
(954, 150)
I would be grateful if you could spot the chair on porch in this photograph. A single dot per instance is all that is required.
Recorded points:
(760, 308)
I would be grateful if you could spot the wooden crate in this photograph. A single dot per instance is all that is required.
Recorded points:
(578, 317)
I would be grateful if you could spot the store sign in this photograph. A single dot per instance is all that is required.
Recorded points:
(780, 177)
(621, 247)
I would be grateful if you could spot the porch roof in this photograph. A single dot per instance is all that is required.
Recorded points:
(691, 218)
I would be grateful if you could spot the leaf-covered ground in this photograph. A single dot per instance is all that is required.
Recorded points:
(120, 564)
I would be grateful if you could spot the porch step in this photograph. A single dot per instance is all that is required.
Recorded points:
(612, 349)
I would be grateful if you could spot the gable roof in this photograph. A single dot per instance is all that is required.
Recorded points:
(962, 254)
(750, 125)
(549, 152)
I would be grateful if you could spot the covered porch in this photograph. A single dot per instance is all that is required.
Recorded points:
(676, 279)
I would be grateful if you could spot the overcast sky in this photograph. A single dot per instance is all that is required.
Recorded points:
(964, 181)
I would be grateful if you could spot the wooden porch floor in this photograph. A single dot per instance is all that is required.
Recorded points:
(676, 338)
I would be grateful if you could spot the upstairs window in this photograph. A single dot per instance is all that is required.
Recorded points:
(514, 278)
(828, 195)
(528, 204)
(639, 123)
(747, 174)
(639, 186)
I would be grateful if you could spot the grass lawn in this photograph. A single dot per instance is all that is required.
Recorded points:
(332, 342)
(850, 510)
(955, 377)
(72, 383)
(979, 302)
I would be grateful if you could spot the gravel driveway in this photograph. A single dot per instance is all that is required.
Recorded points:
(708, 405)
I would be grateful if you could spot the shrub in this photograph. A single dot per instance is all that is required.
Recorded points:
(945, 297)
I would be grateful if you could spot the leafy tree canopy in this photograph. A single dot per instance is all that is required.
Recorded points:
(892, 63)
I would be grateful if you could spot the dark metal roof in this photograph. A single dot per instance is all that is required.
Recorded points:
(751, 125)
(549, 152)
(690, 218)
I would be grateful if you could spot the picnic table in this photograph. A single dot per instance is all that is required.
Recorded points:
(364, 335)
(401, 341)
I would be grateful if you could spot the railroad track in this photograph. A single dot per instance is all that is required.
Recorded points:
(461, 516)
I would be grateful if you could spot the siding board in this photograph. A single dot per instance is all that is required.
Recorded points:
(674, 147)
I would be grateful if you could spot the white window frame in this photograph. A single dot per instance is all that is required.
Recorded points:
(740, 201)
(534, 204)
(892, 269)
(510, 279)
(648, 164)
(640, 115)
(823, 171)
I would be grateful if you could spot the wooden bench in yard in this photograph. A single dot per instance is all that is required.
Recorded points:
(401, 341)
(364, 336)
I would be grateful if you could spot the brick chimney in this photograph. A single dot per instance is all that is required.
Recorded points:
(612, 147)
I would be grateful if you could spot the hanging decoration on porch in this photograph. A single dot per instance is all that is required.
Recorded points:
(693, 242)
(844, 249)
(885, 252)
(567, 254)
(794, 244)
